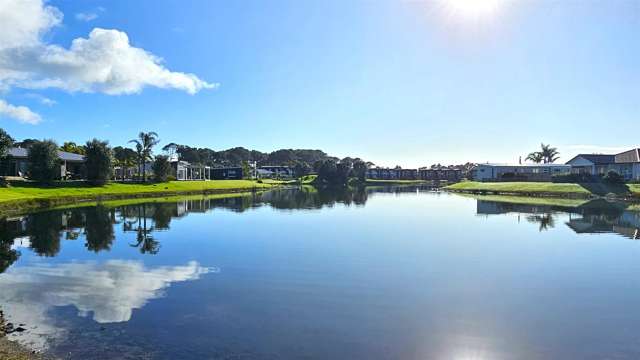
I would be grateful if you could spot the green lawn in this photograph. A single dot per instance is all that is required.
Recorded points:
(77, 190)
(545, 188)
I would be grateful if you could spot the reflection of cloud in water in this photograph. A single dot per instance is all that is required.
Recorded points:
(110, 291)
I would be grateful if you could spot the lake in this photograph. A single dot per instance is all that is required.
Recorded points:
(388, 273)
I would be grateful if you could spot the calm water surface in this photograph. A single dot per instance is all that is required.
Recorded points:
(290, 274)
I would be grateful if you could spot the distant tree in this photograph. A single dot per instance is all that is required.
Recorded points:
(170, 149)
(98, 161)
(360, 169)
(161, 168)
(246, 170)
(26, 143)
(72, 147)
(44, 165)
(144, 146)
(550, 154)
(6, 142)
(536, 157)
(301, 169)
(124, 158)
(317, 165)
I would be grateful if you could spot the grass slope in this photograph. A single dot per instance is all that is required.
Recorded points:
(21, 196)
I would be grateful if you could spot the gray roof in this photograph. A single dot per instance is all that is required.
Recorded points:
(22, 153)
(597, 159)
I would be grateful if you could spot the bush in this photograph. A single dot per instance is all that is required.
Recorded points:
(613, 177)
(98, 161)
(171, 178)
(161, 168)
(44, 165)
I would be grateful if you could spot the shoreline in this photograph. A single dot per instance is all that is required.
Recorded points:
(51, 197)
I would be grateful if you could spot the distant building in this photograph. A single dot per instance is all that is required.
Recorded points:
(17, 164)
(392, 174)
(228, 173)
(183, 170)
(452, 174)
(280, 172)
(625, 163)
(519, 172)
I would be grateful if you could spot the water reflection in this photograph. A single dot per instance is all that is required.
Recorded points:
(107, 292)
(593, 217)
(97, 224)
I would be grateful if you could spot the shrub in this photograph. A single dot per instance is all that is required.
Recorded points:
(44, 166)
(98, 161)
(575, 178)
(161, 168)
(613, 177)
(171, 178)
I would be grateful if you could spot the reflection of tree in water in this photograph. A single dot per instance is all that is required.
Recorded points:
(99, 228)
(144, 238)
(44, 231)
(7, 255)
(546, 221)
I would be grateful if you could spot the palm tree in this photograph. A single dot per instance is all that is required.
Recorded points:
(144, 148)
(550, 154)
(536, 157)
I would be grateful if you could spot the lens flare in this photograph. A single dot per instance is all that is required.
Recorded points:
(473, 9)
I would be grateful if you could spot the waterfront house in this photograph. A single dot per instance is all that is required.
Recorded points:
(626, 163)
(519, 172)
(17, 164)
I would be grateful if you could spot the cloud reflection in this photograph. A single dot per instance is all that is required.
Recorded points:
(108, 291)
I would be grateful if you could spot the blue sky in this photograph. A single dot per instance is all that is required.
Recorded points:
(406, 83)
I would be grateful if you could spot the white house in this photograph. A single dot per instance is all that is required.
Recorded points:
(519, 172)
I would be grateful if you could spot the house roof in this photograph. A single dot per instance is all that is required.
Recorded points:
(17, 152)
(632, 155)
(597, 159)
(527, 165)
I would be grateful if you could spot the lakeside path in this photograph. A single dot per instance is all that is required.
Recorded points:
(625, 191)
(20, 197)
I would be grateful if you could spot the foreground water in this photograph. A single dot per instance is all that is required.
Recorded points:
(385, 274)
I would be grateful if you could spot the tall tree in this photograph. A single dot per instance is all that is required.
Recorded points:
(6, 142)
(44, 165)
(550, 154)
(144, 146)
(98, 161)
(536, 157)
(161, 168)
(124, 158)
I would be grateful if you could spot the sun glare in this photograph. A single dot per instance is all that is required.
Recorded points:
(473, 9)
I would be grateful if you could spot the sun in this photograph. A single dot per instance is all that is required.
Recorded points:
(473, 9)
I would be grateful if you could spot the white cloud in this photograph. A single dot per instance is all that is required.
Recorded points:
(86, 16)
(104, 62)
(42, 99)
(20, 113)
(108, 291)
(23, 22)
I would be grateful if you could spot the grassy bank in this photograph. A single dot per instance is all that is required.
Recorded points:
(28, 196)
(548, 189)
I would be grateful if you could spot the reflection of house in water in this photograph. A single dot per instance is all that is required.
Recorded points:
(595, 217)
(626, 224)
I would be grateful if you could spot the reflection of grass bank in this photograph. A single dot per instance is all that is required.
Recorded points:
(370, 182)
(524, 200)
(21, 197)
(548, 189)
